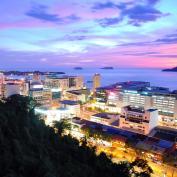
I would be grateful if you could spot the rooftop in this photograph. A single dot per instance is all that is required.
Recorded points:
(103, 115)
(135, 109)
(79, 92)
(69, 102)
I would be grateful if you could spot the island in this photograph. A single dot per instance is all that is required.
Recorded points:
(108, 67)
(171, 69)
(78, 68)
(26, 73)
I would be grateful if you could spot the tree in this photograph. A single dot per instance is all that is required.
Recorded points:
(30, 148)
(141, 168)
(61, 126)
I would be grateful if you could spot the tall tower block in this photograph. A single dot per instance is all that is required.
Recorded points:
(96, 81)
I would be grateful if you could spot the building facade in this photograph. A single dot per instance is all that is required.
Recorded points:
(138, 120)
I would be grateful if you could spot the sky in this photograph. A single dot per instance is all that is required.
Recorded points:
(88, 33)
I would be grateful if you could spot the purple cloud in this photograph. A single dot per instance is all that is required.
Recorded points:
(109, 21)
(99, 6)
(137, 14)
(142, 14)
(40, 12)
(168, 39)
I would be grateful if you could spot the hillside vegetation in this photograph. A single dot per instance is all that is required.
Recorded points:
(29, 148)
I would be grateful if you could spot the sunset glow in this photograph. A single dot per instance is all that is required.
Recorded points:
(88, 33)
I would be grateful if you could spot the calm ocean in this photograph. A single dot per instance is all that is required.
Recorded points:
(155, 76)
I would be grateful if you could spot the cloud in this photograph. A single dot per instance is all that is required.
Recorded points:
(100, 6)
(166, 56)
(168, 39)
(140, 53)
(153, 2)
(43, 59)
(141, 14)
(109, 21)
(41, 12)
(137, 14)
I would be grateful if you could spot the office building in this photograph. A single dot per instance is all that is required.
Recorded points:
(2, 79)
(50, 114)
(81, 95)
(138, 119)
(41, 96)
(104, 118)
(75, 82)
(15, 86)
(11, 89)
(96, 81)
(64, 83)
(73, 106)
(167, 107)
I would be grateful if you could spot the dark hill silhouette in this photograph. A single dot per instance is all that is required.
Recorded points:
(29, 148)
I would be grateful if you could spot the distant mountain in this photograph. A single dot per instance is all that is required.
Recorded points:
(107, 67)
(171, 70)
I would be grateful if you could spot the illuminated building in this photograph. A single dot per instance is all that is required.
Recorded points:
(140, 94)
(73, 106)
(77, 95)
(101, 95)
(167, 107)
(2, 79)
(46, 96)
(112, 97)
(11, 89)
(64, 83)
(75, 82)
(53, 114)
(138, 120)
(104, 118)
(37, 95)
(41, 96)
(76, 127)
(36, 76)
(135, 98)
(56, 94)
(15, 86)
(96, 81)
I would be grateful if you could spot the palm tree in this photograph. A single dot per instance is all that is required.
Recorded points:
(61, 126)
(144, 169)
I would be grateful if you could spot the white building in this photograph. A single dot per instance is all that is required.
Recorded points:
(11, 89)
(73, 106)
(138, 120)
(104, 118)
(53, 114)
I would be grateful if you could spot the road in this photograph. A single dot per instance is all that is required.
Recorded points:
(129, 154)
(121, 154)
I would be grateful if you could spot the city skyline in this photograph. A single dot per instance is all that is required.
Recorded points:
(119, 33)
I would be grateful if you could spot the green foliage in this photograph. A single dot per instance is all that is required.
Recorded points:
(29, 148)
(61, 126)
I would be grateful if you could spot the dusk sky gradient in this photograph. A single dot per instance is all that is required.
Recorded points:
(88, 33)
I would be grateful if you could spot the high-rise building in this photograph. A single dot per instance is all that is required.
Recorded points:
(2, 78)
(96, 81)
(11, 89)
(167, 107)
(75, 82)
(15, 86)
(64, 83)
(36, 76)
